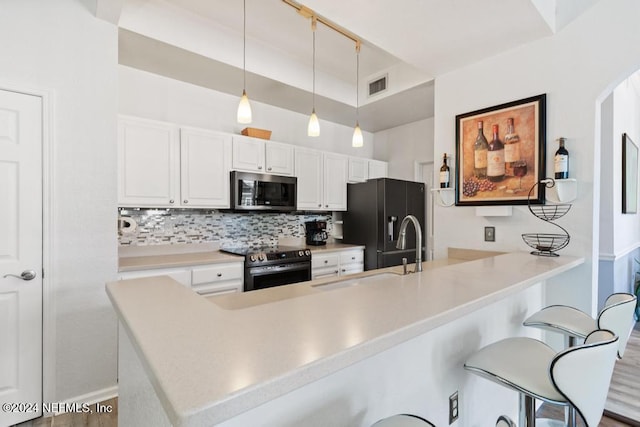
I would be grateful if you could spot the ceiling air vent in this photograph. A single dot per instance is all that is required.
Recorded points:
(378, 85)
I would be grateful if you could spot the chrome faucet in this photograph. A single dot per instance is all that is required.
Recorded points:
(402, 239)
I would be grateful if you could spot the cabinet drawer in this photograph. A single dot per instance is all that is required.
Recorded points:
(351, 269)
(322, 273)
(218, 288)
(324, 260)
(351, 257)
(216, 273)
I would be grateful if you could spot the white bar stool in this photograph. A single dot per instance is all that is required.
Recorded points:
(578, 376)
(616, 316)
(403, 420)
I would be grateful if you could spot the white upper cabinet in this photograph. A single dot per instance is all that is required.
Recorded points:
(310, 173)
(335, 182)
(258, 155)
(205, 161)
(278, 158)
(358, 169)
(322, 180)
(163, 165)
(148, 163)
(377, 169)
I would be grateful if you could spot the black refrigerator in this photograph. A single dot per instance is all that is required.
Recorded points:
(375, 210)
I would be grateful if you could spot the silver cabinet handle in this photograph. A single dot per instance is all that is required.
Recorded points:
(219, 274)
(259, 167)
(320, 205)
(171, 201)
(185, 201)
(326, 261)
(269, 168)
(25, 275)
(326, 206)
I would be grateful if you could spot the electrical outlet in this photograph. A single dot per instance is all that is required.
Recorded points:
(489, 234)
(454, 410)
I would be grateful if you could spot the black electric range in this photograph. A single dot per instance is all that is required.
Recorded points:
(270, 266)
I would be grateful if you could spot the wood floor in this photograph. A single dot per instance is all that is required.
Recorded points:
(622, 409)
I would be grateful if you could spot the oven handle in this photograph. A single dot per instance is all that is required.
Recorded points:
(255, 271)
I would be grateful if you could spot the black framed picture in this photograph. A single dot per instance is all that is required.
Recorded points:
(500, 153)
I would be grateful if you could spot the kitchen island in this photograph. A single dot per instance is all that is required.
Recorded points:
(320, 353)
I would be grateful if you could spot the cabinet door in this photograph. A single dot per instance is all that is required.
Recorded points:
(205, 162)
(279, 158)
(377, 169)
(308, 167)
(248, 154)
(148, 163)
(358, 169)
(335, 182)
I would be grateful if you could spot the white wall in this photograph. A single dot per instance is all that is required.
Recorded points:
(149, 95)
(619, 233)
(577, 68)
(60, 47)
(403, 145)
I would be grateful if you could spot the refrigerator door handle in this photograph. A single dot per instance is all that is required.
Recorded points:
(392, 220)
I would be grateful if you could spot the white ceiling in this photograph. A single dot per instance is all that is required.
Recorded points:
(200, 41)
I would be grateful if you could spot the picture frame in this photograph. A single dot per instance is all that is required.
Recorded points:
(477, 185)
(629, 175)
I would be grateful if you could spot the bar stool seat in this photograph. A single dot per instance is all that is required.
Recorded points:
(616, 316)
(578, 376)
(403, 420)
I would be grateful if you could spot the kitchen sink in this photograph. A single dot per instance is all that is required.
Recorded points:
(374, 278)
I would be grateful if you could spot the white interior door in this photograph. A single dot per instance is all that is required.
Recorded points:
(20, 256)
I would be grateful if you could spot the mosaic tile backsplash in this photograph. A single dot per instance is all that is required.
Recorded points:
(159, 227)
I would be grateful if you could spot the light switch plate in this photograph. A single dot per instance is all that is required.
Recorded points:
(489, 234)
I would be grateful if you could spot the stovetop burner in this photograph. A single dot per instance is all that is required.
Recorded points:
(269, 254)
(247, 250)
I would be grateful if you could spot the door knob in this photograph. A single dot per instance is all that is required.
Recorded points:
(25, 275)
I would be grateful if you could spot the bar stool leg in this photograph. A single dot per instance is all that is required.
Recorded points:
(527, 411)
(570, 411)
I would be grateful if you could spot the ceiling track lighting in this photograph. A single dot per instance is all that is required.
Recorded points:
(314, 126)
(244, 108)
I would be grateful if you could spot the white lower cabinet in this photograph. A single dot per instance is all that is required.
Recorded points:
(217, 279)
(339, 263)
(212, 279)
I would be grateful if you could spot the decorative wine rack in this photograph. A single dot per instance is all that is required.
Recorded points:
(547, 244)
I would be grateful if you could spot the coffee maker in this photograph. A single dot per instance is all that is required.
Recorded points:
(316, 232)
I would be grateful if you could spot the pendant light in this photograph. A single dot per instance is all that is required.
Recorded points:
(244, 108)
(357, 141)
(314, 125)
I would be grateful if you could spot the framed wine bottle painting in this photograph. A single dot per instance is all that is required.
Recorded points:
(500, 153)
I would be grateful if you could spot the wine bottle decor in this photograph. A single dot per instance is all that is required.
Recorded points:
(546, 244)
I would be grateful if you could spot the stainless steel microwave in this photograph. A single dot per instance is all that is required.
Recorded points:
(263, 192)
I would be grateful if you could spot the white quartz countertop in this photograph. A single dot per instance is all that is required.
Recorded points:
(185, 259)
(210, 361)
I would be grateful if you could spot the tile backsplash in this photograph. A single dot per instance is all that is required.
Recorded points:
(164, 227)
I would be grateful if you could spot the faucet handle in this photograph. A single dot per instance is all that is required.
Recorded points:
(404, 266)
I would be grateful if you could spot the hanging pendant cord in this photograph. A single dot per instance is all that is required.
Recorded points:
(244, 44)
(313, 29)
(357, 81)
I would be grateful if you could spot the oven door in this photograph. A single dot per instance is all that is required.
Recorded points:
(276, 275)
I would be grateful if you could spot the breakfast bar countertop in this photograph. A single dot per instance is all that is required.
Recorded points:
(296, 334)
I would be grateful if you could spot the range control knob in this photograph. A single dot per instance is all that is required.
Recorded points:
(307, 252)
(300, 253)
(261, 257)
(252, 258)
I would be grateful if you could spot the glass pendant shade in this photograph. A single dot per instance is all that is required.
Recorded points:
(314, 125)
(358, 140)
(244, 109)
